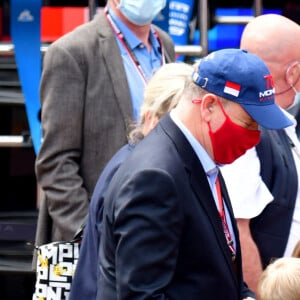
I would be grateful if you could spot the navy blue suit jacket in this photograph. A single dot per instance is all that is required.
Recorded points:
(162, 236)
(270, 230)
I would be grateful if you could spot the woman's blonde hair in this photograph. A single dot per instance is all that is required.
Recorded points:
(163, 90)
(162, 93)
(280, 280)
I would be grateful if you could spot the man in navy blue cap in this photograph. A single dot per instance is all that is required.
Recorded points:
(168, 226)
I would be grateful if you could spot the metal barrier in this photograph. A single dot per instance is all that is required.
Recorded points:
(7, 49)
(192, 50)
(204, 21)
(15, 141)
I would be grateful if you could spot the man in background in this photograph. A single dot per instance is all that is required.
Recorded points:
(270, 229)
(91, 89)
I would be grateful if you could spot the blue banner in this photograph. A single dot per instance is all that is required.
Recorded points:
(162, 19)
(180, 14)
(175, 19)
(26, 36)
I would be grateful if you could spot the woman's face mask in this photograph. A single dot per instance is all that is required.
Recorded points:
(296, 98)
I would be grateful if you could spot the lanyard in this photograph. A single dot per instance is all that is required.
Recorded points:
(223, 219)
(126, 46)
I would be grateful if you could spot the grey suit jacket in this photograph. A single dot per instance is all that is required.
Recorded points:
(86, 110)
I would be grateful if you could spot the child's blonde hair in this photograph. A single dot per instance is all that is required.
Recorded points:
(280, 280)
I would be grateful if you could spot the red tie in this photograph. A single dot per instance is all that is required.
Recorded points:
(223, 219)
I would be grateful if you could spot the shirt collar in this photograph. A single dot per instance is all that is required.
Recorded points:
(208, 164)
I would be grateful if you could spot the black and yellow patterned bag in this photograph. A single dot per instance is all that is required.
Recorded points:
(56, 264)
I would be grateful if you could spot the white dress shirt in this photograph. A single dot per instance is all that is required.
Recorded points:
(248, 193)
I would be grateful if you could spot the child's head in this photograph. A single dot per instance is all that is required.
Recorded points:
(280, 280)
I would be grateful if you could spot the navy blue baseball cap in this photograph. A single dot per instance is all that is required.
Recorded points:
(242, 77)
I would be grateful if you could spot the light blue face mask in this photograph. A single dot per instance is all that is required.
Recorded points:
(141, 12)
(297, 99)
(296, 102)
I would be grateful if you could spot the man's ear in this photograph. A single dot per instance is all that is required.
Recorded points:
(208, 105)
(292, 74)
(150, 122)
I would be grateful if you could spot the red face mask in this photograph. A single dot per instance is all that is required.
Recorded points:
(231, 141)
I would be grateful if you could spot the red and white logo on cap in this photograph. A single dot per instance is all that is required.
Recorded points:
(269, 92)
(232, 88)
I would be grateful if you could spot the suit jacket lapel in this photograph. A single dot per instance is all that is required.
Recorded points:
(169, 57)
(114, 64)
(199, 185)
(234, 224)
(202, 189)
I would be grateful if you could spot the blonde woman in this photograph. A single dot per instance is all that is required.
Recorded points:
(161, 95)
